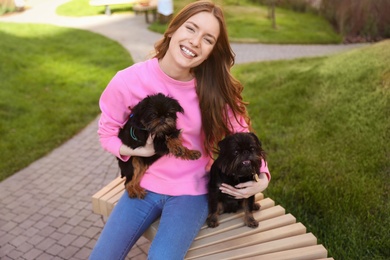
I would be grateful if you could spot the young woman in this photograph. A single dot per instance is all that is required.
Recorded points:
(192, 64)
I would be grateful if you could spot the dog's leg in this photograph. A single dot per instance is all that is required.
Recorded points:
(176, 148)
(249, 220)
(214, 210)
(133, 187)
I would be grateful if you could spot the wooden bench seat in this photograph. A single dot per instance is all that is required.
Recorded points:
(107, 3)
(146, 8)
(278, 236)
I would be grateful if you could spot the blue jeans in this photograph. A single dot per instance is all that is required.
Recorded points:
(181, 219)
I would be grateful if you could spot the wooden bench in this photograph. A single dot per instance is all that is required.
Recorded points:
(107, 3)
(146, 7)
(278, 236)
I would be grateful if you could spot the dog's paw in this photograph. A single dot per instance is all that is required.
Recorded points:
(194, 155)
(256, 206)
(212, 222)
(251, 222)
(135, 192)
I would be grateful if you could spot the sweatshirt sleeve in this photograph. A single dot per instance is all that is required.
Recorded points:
(239, 125)
(114, 114)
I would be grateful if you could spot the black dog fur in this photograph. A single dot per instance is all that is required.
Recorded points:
(155, 115)
(239, 160)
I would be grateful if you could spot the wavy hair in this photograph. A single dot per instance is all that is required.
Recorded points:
(216, 87)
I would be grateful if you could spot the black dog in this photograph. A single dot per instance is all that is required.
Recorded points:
(155, 115)
(239, 161)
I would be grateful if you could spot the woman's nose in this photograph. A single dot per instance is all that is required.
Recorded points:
(195, 41)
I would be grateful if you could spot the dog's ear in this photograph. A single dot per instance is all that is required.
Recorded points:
(178, 108)
(140, 108)
(258, 142)
(222, 144)
(259, 145)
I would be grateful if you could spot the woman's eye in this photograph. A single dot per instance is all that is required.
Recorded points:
(190, 28)
(208, 41)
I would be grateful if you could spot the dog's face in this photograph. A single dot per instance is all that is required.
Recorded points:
(158, 113)
(240, 155)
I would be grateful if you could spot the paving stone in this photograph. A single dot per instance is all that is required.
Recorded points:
(83, 253)
(68, 252)
(31, 231)
(47, 231)
(5, 249)
(65, 229)
(9, 226)
(78, 230)
(32, 254)
(81, 241)
(15, 254)
(19, 240)
(45, 256)
(46, 244)
(58, 222)
(25, 247)
(55, 249)
(5, 238)
(67, 240)
(36, 240)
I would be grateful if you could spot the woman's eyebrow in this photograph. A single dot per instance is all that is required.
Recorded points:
(197, 27)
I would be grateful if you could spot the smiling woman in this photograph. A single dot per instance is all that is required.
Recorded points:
(192, 65)
(44, 69)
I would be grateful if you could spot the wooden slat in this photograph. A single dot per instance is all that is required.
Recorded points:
(277, 237)
(264, 204)
(292, 242)
(107, 200)
(239, 222)
(303, 253)
(97, 197)
(256, 238)
(224, 218)
(265, 225)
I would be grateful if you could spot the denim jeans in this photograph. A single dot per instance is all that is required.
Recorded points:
(181, 219)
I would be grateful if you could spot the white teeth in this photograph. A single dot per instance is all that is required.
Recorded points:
(188, 52)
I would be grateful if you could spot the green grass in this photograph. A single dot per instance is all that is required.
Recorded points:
(78, 8)
(325, 123)
(247, 22)
(51, 80)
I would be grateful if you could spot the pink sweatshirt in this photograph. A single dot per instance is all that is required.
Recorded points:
(169, 175)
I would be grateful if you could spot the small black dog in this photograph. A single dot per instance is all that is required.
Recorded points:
(239, 161)
(154, 115)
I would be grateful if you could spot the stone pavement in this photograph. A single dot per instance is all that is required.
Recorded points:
(45, 209)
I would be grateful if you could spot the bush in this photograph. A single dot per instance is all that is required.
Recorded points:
(359, 20)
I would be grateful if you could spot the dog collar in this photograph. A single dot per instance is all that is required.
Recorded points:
(256, 177)
(132, 133)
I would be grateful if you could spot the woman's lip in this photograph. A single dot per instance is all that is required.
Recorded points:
(188, 51)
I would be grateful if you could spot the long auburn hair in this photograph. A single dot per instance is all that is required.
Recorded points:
(216, 87)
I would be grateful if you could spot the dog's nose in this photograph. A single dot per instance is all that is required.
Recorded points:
(246, 163)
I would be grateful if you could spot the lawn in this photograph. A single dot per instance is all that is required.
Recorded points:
(325, 123)
(51, 80)
(247, 22)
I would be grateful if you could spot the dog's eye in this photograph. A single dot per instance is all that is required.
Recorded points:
(235, 152)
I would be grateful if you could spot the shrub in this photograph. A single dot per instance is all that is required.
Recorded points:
(359, 20)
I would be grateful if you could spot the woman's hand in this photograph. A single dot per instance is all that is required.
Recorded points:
(143, 151)
(246, 189)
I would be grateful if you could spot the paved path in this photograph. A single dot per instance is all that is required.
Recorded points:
(45, 209)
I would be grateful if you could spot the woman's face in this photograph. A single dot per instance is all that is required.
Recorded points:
(193, 41)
